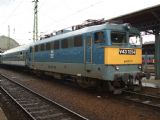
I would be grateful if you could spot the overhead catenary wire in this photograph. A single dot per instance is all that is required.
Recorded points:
(12, 13)
(57, 22)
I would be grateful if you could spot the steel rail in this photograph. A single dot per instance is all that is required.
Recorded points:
(18, 103)
(145, 99)
(66, 110)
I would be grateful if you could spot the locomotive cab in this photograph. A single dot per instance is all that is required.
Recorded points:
(123, 58)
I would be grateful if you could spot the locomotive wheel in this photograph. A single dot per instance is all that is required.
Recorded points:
(134, 87)
(118, 84)
(138, 87)
(85, 82)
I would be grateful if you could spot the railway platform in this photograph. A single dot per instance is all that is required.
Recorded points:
(2, 115)
(152, 82)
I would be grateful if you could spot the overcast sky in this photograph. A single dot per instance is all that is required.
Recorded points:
(57, 14)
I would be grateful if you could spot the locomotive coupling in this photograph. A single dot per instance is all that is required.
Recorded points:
(146, 74)
(128, 76)
(140, 75)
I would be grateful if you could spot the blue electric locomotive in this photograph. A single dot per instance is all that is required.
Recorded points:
(106, 54)
(91, 55)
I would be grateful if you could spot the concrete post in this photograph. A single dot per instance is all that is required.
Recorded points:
(157, 54)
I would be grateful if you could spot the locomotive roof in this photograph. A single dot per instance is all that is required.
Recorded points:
(17, 49)
(69, 34)
(82, 31)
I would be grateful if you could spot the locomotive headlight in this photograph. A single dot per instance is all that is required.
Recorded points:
(117, 67)
(139, 66)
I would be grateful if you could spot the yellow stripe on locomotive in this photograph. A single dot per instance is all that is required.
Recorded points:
(114, 55)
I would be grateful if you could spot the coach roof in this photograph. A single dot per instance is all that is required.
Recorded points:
(17, 49)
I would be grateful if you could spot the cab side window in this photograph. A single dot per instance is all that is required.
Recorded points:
(99, 37)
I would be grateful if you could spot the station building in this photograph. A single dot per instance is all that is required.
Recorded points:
(7, 43)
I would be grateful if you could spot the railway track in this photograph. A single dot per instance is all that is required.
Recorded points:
(143, 99)
(37, 107)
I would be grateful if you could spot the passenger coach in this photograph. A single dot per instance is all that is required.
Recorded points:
(16, 56)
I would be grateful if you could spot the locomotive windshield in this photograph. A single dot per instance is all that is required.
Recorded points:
(118, 38)
(135, 40)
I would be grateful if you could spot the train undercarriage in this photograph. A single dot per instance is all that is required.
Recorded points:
(125, 81)
(116, 86)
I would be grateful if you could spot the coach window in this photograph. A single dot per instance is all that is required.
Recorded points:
(56, 44)
(65, 43)
(48, 46)
(21, 55)
(78, 41)
(99, 37)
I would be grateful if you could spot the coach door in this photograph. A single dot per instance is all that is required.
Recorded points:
(88, 49)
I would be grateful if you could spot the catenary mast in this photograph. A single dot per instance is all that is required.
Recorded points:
(35, 24)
